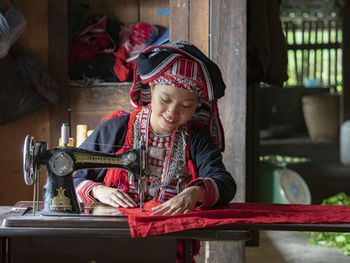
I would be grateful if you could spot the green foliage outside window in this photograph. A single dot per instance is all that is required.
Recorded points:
(319, 57)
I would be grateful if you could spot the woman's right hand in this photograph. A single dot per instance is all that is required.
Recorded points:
(112, 196)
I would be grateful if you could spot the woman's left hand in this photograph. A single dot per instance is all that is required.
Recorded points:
(182, 203)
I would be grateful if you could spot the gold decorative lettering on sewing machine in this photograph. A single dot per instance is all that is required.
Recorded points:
(61, 163)
(60, 202)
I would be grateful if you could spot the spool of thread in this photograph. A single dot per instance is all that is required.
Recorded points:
(65, 134)
(71, 142)
(81, 134)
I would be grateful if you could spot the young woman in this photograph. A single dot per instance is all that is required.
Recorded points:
(175, 94)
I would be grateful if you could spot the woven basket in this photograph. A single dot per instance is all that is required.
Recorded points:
(321, 113)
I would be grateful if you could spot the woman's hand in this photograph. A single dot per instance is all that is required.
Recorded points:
(182, 203)
(112, 196)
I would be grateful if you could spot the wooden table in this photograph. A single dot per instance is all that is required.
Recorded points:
(99, 238)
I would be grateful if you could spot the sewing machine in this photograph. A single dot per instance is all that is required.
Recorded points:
(61, 163)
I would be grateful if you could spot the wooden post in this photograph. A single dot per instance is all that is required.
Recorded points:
(58, 65)
(179, 20)
(228, 32)
(228, 37)
(229, 52)
(189, 21)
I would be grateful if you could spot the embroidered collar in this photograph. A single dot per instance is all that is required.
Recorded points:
(175, 160)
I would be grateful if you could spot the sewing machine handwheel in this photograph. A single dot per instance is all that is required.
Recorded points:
(28, 160)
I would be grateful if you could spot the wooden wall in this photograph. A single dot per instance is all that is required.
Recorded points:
(90, 105)
(189, 20)
(129, 11)
(34, 41)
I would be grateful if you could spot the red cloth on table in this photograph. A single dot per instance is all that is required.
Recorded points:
(142, 224)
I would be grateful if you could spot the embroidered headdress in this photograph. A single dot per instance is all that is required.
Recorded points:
(182, 65)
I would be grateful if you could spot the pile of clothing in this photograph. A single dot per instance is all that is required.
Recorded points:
(106, 51)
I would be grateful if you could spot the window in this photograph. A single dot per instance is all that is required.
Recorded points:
(313, 32)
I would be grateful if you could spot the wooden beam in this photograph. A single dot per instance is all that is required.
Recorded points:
(199, 24)
(189, 21)
(179, 19)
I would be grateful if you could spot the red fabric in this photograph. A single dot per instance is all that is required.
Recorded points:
(142, 224)
(131, 212)
(136, 37)
(86, 48)
(121, 67)
(90, 41)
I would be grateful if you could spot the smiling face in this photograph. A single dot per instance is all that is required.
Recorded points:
(171, 107)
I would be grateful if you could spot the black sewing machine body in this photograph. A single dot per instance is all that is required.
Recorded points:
(61, 163)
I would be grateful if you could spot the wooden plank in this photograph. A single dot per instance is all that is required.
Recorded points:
(315, 57)
(252, 168)
(302, 52)
(124, 11)
(336, 23)
(179, 20)
(253, 132)
(308, 52)
(321, 66)
(90, 104)
(346, 61)
(58, 66)
(148, 12)
(199, 24)
(189, 20)
(228, 32)
(295, 52)
(314, 46)
(229, 52)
